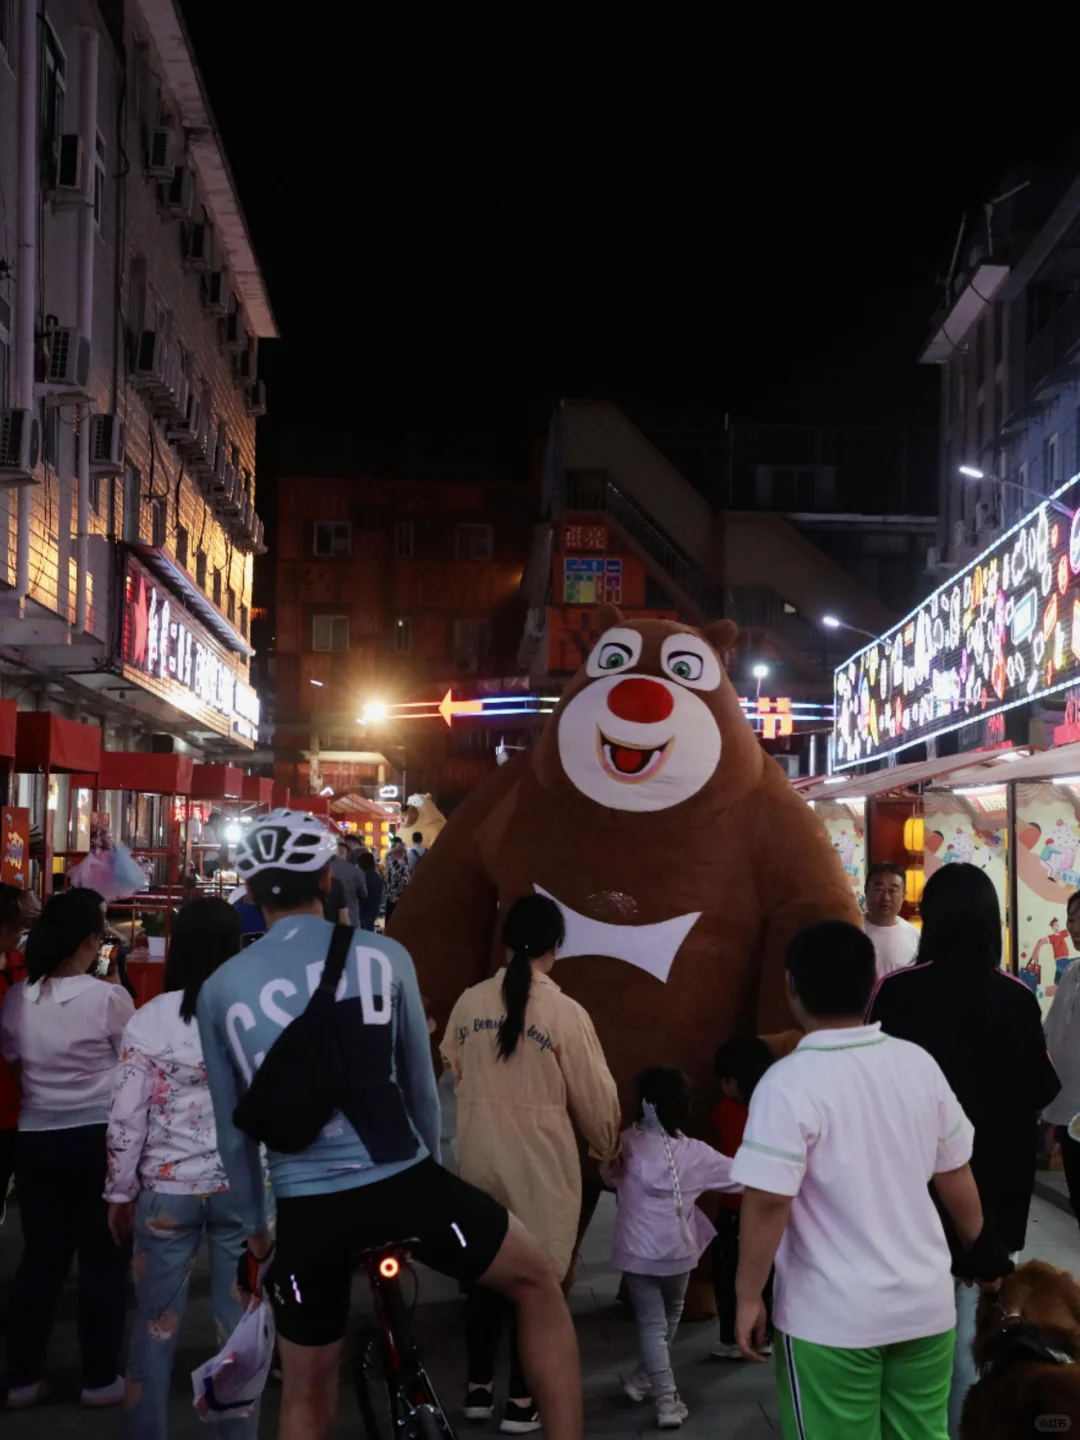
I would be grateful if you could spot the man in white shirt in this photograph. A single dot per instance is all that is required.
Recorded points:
(842, 1139)
(895, 940)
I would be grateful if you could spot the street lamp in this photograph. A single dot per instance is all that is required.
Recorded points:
(759, 672)
(972, 472)
(832, 623)
(376, 710)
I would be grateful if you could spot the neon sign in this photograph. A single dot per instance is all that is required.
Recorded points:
(168, 652)
(1003, 631)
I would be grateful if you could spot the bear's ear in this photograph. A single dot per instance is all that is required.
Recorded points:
(606, 617)
(721, 634)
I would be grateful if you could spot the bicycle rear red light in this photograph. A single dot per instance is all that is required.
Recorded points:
(389, 1267)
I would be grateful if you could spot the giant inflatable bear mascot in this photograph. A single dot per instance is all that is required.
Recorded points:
(681, 857)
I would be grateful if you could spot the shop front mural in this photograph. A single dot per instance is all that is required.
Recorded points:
(1003, 631)
(847, 831)
(1047, 873)
(970, 830)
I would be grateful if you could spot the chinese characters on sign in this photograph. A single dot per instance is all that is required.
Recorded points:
(15, 848)
(587, 582)
(1003, 631)
(169, 652)
(585, 537)
(776, 718)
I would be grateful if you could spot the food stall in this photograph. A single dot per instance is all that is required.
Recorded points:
(216, 804)
(57, 763)
(363, 818)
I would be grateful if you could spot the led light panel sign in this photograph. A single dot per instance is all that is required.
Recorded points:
(1002, 631)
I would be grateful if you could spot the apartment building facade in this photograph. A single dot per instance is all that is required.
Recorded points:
(131, 309)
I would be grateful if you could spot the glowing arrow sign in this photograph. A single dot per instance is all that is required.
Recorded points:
(449, 708)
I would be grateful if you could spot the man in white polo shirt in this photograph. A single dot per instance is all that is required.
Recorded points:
(896, 940)
(842, 1140)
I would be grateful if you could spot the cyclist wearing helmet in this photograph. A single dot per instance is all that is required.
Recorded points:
(332, 1199)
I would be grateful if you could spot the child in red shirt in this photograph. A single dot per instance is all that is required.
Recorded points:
(739, 1065)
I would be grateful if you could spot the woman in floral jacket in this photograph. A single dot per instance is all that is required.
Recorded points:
(165, 1175)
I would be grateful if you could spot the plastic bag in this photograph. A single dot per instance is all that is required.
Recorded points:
(229, 1386)
(111, 871)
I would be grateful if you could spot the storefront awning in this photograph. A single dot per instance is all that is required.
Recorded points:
(149, 774)
(901, 777)
(44, 741)
(257, 790)
(216, 782)
(356, 806)
(9, 710)
(1043, 765)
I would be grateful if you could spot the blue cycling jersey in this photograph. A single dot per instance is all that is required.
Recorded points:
(244, 1007)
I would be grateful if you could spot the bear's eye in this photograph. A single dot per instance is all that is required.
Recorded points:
(613, 656)
(685, 665)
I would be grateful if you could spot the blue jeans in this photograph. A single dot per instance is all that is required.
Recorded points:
(168, 1229)
(657, 1301)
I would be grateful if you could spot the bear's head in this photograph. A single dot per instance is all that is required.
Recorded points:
(651, 720)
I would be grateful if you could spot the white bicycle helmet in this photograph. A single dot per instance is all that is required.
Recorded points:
(285, 840)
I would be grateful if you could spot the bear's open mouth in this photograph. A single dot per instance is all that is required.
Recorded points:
(631, 763)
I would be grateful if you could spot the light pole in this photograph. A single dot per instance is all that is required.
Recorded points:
(972, 472)
(832, 623)
(759, 672)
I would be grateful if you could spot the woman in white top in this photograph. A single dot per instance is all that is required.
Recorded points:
(60, 1032)
(165, 1173)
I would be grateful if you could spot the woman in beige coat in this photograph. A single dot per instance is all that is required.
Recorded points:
(528, 1068)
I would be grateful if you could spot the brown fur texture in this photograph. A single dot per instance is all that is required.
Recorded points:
(744, 850)
(1029, 1391)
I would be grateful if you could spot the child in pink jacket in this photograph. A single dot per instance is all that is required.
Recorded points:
(660, 1234)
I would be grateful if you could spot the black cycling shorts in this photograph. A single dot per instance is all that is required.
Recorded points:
(460, 1230)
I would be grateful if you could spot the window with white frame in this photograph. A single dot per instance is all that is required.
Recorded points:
(330, 632)
(403, 540)
(52, 90)
(472, 542)
(99, 182)
(333, 538)
(403, 635)
(159, 520)
(132, 503)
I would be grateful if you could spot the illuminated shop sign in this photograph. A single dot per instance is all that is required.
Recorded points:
(1003, 631)
(167, 651)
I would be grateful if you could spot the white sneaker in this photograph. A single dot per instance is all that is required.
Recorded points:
(726, 1352)
(766, 1349)
(104, 1395)
(670, 1412)
(638, 1387)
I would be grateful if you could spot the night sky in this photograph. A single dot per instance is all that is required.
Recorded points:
(453, 233)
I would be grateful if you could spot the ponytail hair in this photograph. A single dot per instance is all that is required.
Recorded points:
(533, 927)
(66, 921)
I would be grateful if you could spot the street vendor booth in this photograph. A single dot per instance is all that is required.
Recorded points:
(217, 799)
(256, 794)
(57, 762)
(363, 818)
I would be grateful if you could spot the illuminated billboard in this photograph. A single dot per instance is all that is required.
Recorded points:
(1003, 631)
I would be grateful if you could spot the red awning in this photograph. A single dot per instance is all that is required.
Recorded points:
(46, 741)
(280, 796)
(314, 804)
(9, 710)
(257, 790)
(216, 782)
(149, 774)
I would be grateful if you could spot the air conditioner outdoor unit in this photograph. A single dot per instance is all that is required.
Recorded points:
(247, 364)
(985, 519)
(65, 371)
(160, 144)
(959, 534)
(151, 360)
(19, 437)
(235, 330)
(230, 499)
(216, 292)
(178, 197)
(259, 546)
(184, 434)
(247, 517)
(106, 445)
(68, 186)
(255, 403)
(197, 245)
(199, 460)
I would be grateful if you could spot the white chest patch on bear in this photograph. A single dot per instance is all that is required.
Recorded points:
(648, 947)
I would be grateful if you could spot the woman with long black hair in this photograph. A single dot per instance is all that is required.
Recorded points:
(61, 1031)
(984, 1029)
(529, 1069)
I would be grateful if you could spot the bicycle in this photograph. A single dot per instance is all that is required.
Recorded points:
(399, 1404)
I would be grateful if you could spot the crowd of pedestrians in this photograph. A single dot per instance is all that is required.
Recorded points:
(866, 1188)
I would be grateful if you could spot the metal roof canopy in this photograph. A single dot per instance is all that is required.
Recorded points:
(900, 777)
(217, 186)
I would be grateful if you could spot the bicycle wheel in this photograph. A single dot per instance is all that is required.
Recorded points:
(369, 1381)
(428, 1427)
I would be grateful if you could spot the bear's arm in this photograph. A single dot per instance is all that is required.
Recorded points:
(800, 880)
(447, 912)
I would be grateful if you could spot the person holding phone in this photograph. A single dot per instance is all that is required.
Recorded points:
(60, 1033)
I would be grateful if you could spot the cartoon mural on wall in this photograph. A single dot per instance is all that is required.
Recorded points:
(1047, 860)
(969, 831)
(846, 828)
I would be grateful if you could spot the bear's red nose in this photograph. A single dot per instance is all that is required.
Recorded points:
(642, 701)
